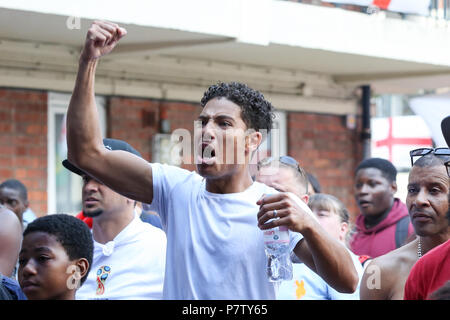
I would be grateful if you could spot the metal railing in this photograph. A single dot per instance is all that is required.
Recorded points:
(438, 9)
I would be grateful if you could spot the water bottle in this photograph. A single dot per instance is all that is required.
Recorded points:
(276, 242)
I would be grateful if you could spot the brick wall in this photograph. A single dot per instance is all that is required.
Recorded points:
(137, 120)
(322, 143)
(23, 142)
(134, 121)
(325, 147)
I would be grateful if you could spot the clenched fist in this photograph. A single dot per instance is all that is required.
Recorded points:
(101, 39)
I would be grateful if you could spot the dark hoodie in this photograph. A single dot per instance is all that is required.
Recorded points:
(380, 239)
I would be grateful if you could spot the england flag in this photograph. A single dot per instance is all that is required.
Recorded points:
(394, 137)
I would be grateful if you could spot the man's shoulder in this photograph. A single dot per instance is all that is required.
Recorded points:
(441, 249)
(393, 261)
(174, 175)
(168, 168)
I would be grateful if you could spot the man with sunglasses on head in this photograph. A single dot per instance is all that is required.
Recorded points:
(213, 219)
(431, 274)
(428, 205)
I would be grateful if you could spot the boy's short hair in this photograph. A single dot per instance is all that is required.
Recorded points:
(73, 234)
(386, 167)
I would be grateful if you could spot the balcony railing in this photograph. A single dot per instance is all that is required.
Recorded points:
(438, 10)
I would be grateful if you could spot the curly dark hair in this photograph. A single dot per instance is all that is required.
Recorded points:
(257, 112)
(73, 234)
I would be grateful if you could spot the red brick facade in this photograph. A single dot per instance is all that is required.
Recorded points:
(325, 147)
(23, 142)
(137, 120)
(322, 143)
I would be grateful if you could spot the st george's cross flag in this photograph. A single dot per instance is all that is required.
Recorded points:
(394, 137)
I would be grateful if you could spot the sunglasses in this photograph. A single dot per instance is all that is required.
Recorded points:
(286, 160)
(424, 151)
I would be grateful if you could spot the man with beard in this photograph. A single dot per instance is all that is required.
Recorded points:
(129, 255)
(213, 219)
(427, 202)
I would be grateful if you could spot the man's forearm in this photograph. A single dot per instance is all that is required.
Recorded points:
(83, 129)
(331, 260)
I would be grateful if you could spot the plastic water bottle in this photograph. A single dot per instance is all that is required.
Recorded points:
(276, 242)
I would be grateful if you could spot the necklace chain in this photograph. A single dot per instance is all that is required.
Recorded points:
(419, 249)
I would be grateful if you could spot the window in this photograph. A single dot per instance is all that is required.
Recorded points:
(63, 187)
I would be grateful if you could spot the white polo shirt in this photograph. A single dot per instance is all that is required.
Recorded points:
(129, 267)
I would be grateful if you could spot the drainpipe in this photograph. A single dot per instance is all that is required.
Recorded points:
(365, 135)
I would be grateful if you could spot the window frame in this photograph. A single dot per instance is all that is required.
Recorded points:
(57, 104)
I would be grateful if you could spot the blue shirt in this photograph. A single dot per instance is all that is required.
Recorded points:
(308, 285)
(12, 287)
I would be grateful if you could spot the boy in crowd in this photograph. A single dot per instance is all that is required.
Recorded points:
(384, 223)
(55, 258)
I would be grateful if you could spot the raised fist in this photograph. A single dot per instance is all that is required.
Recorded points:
(101, 39)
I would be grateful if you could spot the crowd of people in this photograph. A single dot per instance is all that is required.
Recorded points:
(155, 231)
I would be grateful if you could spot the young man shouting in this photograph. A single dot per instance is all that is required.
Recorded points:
(215, 249)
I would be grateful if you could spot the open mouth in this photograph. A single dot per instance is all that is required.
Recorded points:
(208, 154)
(364, 203)
(90, 201)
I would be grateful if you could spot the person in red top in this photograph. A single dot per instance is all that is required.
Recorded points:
(429, 274)
(384, 224)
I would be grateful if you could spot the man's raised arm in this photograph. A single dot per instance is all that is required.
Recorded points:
(122, 171)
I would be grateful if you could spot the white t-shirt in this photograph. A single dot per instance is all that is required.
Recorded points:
(215, 249)
(308, 285)
(129, 267)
